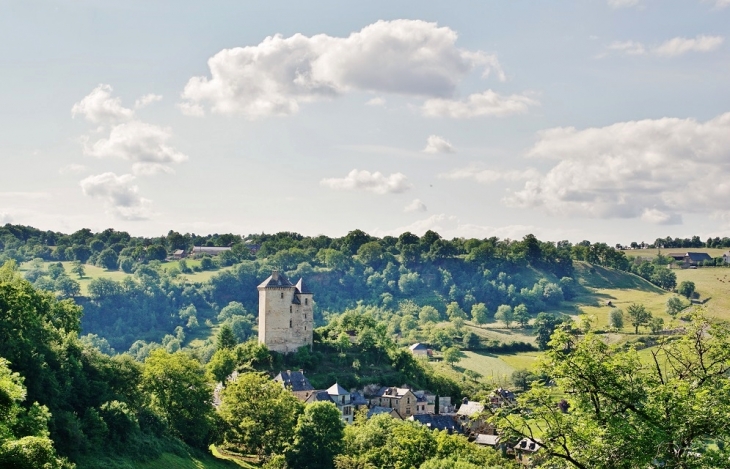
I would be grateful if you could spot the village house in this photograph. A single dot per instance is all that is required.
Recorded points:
(483, 439)
(437, 422)
(420, 350)
(445, 406)
(200, 251)
(296, 382)
(471, 418)
(179, 254)
(500, 397)
(690, 259)
(525, 450)
(425, 402)
(377, 410)
(341, 397)
(726, 257)
(401, 399)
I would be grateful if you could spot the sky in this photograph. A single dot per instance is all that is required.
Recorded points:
(606, 120)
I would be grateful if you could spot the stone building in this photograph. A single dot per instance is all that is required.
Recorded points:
(285, 314)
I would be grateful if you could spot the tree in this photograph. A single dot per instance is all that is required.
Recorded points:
(470, 340)
(687, 289)
(78, 269)
(453, 311)
(222, 364)
(67, 287)
(639, 316)
(428, 314)
(624, 412)
(479, 313)
(260, 415)
(343, 342)
(545, 324)
(108, 259)
(156, 252)
(452, 355)
(523, 378)
(656, 325)
(675, 305)
(176, 388)
(505, 314)
(616, 319)
(521, 315)
(225, 338)
(317, 437)
(126, 264)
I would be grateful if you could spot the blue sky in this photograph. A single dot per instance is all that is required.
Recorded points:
(587, 119)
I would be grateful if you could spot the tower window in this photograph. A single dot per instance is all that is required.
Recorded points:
(290, 308)
(290, 323)
(306, 301)
(282, 294)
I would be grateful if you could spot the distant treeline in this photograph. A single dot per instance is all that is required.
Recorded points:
(669, 242)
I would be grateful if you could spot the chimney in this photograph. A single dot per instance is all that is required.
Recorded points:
(275, 275)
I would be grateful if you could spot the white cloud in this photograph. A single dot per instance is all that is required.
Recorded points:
(485, 176)
(407, 57)
(628, 47)
(119, 194)
(377, 101)
(719, 4)
(72, 168)
(150, 169)
(681, 45)
(136, 141)
(415, 206)
(623, 3)
(670, 48)
(99, 106)
(190, 109)
(147, 99)
(436, 144)
(5, 218)
(375, 182)
(487, 103)
(650, 169)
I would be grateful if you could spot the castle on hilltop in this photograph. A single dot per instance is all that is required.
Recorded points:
(285, 314)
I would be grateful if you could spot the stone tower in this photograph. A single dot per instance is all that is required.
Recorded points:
(285, 314)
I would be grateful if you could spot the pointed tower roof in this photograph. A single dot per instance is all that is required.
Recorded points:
(302, 287)
(337, 390)
(276, 279)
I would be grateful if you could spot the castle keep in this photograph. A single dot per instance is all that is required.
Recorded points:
(285, 314)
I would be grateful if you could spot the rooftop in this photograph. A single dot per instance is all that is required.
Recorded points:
(294, 381)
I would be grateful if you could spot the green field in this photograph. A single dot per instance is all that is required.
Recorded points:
(492, 368)
(93, 272)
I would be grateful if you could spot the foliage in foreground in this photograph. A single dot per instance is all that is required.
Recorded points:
(622, 412)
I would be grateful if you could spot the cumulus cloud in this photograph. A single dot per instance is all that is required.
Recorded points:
(138, 142)
(436, 144)
(487, 103)
(407, 57)
(653, 169)
(99, 107)
(375, 182)
(719, 4)
(681, 45)
(671, 48)
(627, 47)
(119, 194)
(479, 174)
(623, 3)
(147, 99)
(415, 206)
